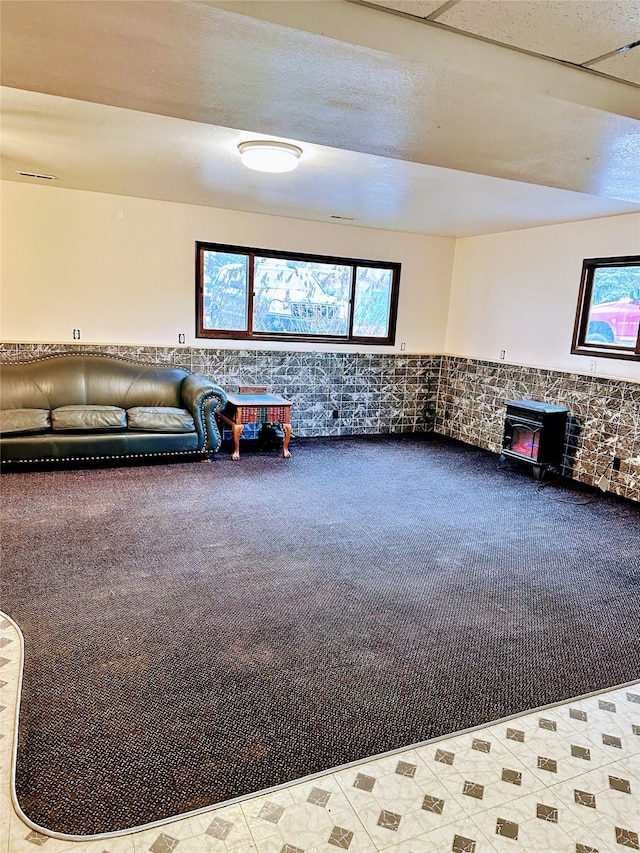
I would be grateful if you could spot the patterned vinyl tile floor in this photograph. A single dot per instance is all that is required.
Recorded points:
(565, 779)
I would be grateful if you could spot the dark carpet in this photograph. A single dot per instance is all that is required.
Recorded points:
(196, 632)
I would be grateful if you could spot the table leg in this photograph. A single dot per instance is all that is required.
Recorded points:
(237, 432)
(285, 443)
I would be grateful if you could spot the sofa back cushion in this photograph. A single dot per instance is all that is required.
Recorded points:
(87, 380)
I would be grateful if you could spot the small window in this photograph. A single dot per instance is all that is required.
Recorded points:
(608, 316)
(263, 295)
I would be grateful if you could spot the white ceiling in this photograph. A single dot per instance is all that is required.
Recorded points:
(582, 32)
(405, 124)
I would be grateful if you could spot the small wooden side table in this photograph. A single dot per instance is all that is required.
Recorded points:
(244, 409)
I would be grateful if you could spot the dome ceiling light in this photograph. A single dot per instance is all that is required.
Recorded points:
(269, 156)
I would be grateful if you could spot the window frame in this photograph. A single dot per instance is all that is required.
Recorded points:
(579, 346)
(250, 335)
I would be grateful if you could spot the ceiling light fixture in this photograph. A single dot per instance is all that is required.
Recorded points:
(269, 156)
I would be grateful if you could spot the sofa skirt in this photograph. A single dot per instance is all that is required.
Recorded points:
(51, 447)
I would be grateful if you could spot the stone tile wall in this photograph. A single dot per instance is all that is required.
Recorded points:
(371, 393)
(604, 415)
(457, 397)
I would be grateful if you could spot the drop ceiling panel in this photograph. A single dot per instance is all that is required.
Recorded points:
(417, 8)
(575, 31)
(625, 66)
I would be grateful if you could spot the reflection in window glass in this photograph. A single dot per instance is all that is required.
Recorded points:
(614, 311)
(259, 294)
(300, 297)
(372, 302)
(225, 288)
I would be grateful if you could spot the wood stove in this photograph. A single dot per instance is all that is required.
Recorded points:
(534, 433)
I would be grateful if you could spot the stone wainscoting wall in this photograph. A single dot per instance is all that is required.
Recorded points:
(604, 416)
(371, 393)
(396, 393)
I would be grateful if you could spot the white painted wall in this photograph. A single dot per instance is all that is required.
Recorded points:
(518, 292)
(69, 262)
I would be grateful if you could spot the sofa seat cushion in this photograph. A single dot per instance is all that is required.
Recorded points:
(160, 419)
(86, 418)
(24, 420)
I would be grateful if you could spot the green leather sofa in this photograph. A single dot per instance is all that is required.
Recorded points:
(95, 408)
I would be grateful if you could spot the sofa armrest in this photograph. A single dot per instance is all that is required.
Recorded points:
(203, 399)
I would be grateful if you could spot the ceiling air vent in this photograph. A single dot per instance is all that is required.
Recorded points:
(36, 175)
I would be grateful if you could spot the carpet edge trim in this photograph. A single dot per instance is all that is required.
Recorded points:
(51, 833)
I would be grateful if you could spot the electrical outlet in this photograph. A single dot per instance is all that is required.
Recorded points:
(76, 334)
(616, 463)
(592, 365)
(502, 354)
(181, 338)
(403, 346)
(335, 414)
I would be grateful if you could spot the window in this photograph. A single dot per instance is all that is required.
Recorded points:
(263, 295)
(608, 315)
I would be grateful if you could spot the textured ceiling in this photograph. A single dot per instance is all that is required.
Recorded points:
(578, 31)
(624, 65)
(404, 125)
(113, 150)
